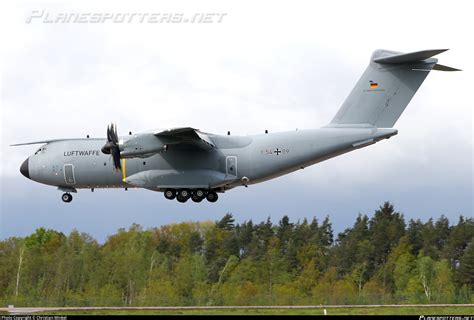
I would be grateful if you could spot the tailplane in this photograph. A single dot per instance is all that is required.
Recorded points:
(386, 87)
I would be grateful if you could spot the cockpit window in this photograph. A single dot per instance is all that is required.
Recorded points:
(43, 149)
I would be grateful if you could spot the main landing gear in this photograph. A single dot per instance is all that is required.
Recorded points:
(66, 197)
(197, 195)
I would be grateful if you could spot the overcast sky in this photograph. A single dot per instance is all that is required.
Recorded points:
(265, 65)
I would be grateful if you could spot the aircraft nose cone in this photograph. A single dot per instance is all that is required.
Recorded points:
(24, 169)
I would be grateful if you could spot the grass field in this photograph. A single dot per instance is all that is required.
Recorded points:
(408, 310)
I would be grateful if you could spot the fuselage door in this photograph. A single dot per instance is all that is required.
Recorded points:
(69, 174)
(231, 165)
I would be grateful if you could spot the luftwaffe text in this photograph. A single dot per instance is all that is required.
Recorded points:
(81, 153)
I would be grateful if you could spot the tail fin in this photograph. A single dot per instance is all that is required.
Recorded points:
(386, 87)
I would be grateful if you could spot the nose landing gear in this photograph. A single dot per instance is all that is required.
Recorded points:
(66, 197)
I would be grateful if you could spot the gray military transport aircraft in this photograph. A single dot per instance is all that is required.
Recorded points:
(188, 163)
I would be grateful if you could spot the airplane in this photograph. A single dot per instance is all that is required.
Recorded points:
(186, 163)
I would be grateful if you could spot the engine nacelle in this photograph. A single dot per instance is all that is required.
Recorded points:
(141, 146)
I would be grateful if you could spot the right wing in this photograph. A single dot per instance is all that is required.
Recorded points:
(37, 142)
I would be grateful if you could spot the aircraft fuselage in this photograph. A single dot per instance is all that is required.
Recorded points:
(236, 160)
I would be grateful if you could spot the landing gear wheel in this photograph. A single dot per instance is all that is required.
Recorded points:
(181, 199)
(170, 194)
(200, 193)
(196, 198)
(66, 197)
(212, 196)
(184, 193)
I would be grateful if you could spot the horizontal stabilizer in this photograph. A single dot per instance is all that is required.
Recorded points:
(392, 57)
(441, 67)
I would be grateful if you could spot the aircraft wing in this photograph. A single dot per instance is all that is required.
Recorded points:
(37, 142)
(187, 135)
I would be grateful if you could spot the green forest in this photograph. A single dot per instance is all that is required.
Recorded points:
(380, 259)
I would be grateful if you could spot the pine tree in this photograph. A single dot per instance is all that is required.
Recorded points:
(386, 228)
(227, 222)
(465, 271)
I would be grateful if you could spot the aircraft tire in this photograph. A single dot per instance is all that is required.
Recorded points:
(184, 193)
(211, 196)
(196, 198)
(200, 193)
(66, 197)
(170, 194)
(181, 198)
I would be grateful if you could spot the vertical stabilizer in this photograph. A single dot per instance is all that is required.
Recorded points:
(386, 87)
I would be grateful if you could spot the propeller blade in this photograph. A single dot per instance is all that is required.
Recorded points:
(113, 134)
(109, 134)
(116, 158)
(112, 146)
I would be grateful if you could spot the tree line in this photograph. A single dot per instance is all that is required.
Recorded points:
(378, 260)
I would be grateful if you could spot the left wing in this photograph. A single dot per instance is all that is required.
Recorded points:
(187, 135)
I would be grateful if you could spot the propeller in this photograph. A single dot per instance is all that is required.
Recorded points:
(112, 146)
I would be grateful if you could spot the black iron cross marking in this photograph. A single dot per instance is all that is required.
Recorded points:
(277, 151)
